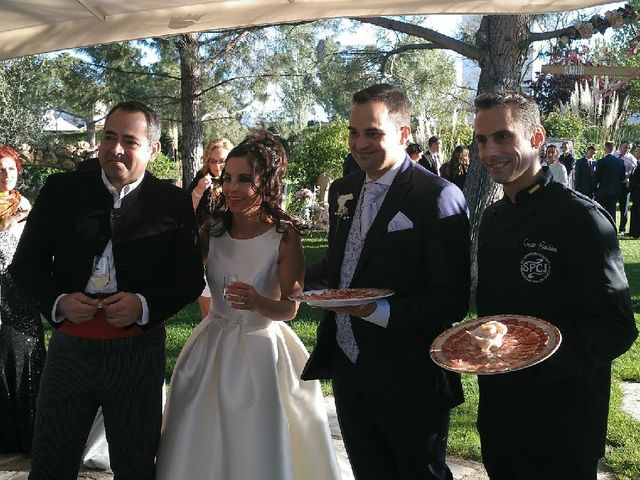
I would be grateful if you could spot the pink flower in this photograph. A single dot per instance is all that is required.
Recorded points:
(303, 193)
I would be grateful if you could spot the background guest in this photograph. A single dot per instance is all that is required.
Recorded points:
(458, 166)
(585, 173)
(567, 159)
(205, 189)
(610, 175)
(557, 170)
(22, 352)
(629, 166)
(414, 150)
(634, 188)
(431, 158)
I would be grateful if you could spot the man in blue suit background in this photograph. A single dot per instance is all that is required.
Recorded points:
(610, 175)
(586, 173)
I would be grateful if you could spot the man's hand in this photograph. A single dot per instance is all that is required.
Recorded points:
(359, 311)
(77, 307)
(122, 309)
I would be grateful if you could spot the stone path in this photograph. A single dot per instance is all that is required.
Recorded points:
(631, 399)
(16, 467)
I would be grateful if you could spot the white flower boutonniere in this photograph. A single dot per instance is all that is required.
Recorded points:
(342, 211)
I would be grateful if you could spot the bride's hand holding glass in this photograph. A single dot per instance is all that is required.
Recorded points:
(242, 296)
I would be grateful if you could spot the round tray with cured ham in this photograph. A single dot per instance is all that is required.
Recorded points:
(341, 297)
(528, 341)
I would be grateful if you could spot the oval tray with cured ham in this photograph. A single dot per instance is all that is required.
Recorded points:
(528, 341)
(341, 297)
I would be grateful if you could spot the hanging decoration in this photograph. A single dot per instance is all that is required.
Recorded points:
(583, 30)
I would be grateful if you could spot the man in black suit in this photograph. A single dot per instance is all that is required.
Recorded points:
(585, 176)
(393, 226)
(610, 175)
(109, 255)
(431, 158)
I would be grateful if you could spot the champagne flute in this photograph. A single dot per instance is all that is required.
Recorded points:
(100, 275)
(229, 278)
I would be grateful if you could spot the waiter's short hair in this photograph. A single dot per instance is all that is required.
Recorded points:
(394, 99)
(524, 108)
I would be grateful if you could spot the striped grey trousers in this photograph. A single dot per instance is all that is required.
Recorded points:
(123, 376)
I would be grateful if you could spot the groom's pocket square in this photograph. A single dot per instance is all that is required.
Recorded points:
(399, 222)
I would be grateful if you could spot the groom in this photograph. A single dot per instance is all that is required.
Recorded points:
(393, 225)
(108, 346)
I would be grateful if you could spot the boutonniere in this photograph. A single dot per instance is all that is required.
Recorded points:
(342, 212)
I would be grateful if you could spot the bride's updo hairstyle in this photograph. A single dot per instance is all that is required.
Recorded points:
(268, 161)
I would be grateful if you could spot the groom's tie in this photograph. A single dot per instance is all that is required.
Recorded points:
(362, 219)
(371, 204)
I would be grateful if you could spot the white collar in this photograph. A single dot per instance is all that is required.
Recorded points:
(126, 190)
(389, 175)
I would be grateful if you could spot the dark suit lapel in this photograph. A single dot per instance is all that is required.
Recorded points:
(140, 192)
(352, 184)
(92, 226)
(389, 208)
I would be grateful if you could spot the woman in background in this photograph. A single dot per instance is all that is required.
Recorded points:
(205, 189)
(458, 166)
(22, 351)
(557, 169)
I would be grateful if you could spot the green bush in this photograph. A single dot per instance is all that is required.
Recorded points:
(568, 126)
(320, 149)
(630, 133)
(165, 168)
(452, 136)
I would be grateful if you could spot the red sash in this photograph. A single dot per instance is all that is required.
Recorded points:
(98, 327)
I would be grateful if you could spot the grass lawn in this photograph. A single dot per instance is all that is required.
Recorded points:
(623, 451)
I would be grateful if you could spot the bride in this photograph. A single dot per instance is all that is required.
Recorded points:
(237, 409)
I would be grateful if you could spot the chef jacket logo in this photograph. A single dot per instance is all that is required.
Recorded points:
(535, 267)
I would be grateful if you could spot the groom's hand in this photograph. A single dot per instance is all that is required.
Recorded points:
(360, 311)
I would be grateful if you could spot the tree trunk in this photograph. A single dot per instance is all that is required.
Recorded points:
(480, 192)
(503, 41)
(91, 132)
(191, 105)
(504, 45)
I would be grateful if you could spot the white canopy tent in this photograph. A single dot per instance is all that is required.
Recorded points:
(36, 26)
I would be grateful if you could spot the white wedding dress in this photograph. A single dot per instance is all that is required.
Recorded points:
(237, 409)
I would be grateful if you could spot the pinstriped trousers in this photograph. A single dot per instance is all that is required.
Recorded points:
(125, 377)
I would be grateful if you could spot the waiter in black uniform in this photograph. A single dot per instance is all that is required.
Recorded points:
(549, 252)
